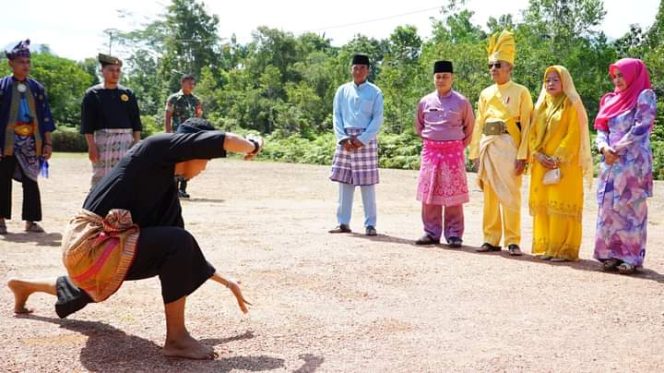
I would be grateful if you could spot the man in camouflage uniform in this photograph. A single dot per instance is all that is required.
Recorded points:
(181, 106)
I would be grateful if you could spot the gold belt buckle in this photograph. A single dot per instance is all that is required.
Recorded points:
(494, 128)
(24, 130)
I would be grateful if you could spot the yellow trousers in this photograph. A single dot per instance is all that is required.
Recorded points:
(499, 220)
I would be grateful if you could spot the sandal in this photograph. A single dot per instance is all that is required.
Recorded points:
(454, 242)
(545, 257)
(341, 228)
(487, 248)
(559, 260)
(626, 269)
(3, 228)
(33, 227)
(611, 264)
(514, 250)
(427, 240)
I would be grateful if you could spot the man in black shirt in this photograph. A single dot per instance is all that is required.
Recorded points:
(110, 119)
(131, 228)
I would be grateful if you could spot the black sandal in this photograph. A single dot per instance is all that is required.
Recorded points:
(341, 228)
(611, 264)
(626, 269)
(514, 250)
(454, 242)
(427, 240)
(487, 248)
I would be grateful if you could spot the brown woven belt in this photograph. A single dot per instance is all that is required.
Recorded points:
(24, 129)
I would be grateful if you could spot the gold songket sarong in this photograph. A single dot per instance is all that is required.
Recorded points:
(98, 252)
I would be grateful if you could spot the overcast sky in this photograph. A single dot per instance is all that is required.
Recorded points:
(74, 28)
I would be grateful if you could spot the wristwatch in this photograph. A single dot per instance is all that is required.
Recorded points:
(257, 146)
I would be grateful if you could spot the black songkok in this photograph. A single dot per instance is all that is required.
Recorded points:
(360, 59)
(443, 67)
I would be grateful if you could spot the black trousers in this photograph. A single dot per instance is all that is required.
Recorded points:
(31, 197)
(181, 183)
(171, 253)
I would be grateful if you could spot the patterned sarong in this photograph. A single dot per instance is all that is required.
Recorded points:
(112, 144)
(24, 151)
(442, 178)
(356, 167)
(98, 252)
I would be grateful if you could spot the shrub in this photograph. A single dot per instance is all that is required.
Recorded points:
(658, 159)
(68, 139)
(297, 149)
(151, 125)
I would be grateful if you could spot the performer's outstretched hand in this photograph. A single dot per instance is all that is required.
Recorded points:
(235, 288)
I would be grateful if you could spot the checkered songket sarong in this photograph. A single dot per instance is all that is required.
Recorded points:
(356, 167)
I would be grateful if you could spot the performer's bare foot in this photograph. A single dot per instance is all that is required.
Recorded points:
(189, 348)
(22, 291)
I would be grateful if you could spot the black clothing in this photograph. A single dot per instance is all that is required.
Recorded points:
(109, 108)
(142, 183)
(32, 210)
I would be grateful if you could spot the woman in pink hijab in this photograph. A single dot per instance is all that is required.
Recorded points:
(624, 122)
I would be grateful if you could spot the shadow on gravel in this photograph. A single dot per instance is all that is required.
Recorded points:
(582, 264)
(109, 349)
(40, 239)
(385, 238)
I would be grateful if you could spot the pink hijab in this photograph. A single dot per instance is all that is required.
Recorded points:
(617, 102)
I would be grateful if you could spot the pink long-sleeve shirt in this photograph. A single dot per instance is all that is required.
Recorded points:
(445, 118)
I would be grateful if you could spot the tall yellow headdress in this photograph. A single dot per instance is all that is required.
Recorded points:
(502, 47)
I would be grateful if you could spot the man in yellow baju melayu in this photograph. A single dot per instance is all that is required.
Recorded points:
(499, 147)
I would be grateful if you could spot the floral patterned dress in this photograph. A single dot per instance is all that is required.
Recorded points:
(624, 186)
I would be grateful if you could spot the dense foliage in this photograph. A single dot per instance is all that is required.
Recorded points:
(282, 85)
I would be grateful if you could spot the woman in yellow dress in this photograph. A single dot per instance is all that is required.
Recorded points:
(560, 158)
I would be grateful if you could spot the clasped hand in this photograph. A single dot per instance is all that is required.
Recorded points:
(352, 143)
(610, 155)
(546, 161)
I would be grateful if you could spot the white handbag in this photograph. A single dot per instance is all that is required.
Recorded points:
(552, 177)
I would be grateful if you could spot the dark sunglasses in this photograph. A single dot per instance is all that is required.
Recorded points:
(495, 64)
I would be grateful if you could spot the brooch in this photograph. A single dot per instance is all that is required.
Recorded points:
(21, 87)
(124, 97)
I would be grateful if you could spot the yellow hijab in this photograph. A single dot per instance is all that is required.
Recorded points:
(547, 105)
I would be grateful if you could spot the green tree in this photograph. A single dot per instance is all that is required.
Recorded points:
(190, 41)
(399, 68)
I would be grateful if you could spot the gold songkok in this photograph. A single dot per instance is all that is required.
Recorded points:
(502, 47)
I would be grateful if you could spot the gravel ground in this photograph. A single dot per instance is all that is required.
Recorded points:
(331, 303)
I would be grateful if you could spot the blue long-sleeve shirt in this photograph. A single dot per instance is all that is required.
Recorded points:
(358, 106)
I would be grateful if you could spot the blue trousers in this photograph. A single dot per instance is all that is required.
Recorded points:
(345, 207)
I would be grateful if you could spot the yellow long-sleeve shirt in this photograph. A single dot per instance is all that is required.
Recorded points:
(510, 103)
